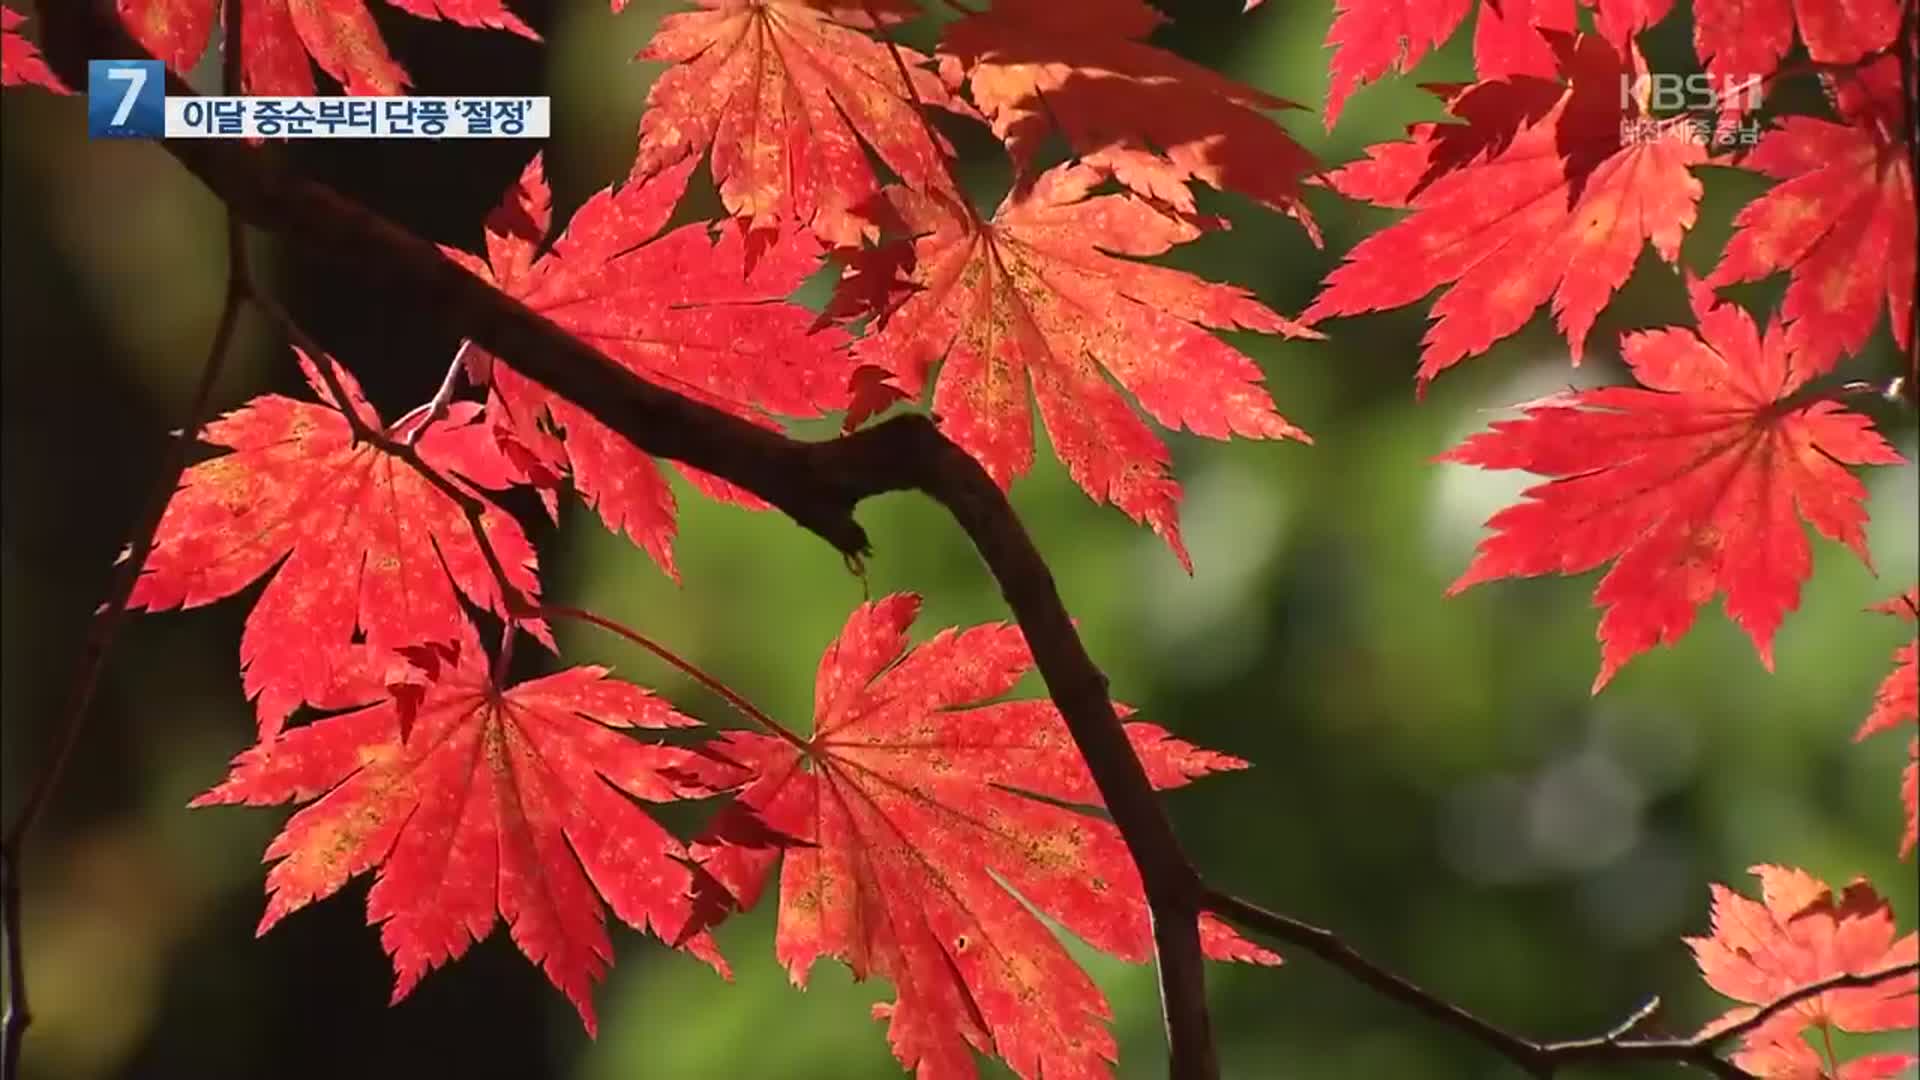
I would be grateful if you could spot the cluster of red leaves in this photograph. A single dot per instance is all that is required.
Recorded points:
(1536, 195)
(1800, 933)
(922, 822)
(473, 800)
(914, 822)
(1546, 185)
(1548, 181)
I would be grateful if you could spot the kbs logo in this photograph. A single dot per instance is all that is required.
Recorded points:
(1698, 92)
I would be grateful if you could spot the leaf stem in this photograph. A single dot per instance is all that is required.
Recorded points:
(420, 416)
(740, 704)
(503, 660)
(920, 112)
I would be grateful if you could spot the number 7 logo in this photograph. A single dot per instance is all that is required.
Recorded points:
(126, 99)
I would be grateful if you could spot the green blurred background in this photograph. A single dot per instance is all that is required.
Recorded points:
(1431, 777)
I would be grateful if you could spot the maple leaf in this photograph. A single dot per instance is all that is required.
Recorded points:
(512, 802)
(20, 62)
(1896, 703)
(1797, 934)
(1151, 119)
(353, 537)
(1544, 194)
(911, 818)
(279, 38)
(680, 308)
(789, 95)
(1036, 296)
(1841, 221)
(1689, 482)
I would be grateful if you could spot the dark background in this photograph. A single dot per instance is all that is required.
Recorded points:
(1432, 777)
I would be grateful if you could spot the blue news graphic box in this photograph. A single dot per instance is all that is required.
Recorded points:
(126, 99)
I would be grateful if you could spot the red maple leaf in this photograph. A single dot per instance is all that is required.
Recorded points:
(912, 817)
(1896, 703)
(1800, 933)
(681, 308)
(1549, 191)
(1037, 297)
(1689, 482)
(20, 63)
(1150, 118)
(1841, 221)
(789, 95)
(279, 37)
(360, 539)
(513, 802)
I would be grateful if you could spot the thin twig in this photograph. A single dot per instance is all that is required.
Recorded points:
(1541, 1059)
(105, 629)
(1590, 1049)
(1635, 1020)
(107, 620)
(1830, 387)
(1328, 946)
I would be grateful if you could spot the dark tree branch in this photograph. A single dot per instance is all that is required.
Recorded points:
(1542, 1059)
